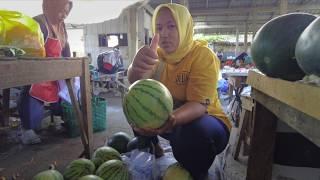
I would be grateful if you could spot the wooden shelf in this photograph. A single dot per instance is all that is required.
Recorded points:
(16, 72)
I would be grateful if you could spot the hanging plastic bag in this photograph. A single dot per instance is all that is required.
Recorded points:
(21, 31)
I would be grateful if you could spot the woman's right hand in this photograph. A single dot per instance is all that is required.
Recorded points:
(146, 58)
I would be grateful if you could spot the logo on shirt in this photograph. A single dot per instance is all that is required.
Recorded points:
(182, 77)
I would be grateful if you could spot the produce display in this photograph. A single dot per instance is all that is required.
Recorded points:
(48, 175)
(273, 47)
(119, 141)
(113, 170)
(147, 104)
(79, 168)
(104, 154)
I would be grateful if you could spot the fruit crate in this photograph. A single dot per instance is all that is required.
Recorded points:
(99, 116)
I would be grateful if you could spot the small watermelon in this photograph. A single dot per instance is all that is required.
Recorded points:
(90, 177)
(139, 142)
(147, 104)
(113, 170)
(104, 154)
(119, 141)
(176, 171)
(79, 168)
(48, 175)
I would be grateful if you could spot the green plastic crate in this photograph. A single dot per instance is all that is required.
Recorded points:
(99, 116)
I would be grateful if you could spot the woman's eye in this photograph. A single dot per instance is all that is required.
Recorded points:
(158, 28)
(171, 26)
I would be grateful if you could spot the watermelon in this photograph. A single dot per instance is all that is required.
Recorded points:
(307, 49)
(147, 104)
(119, 141)
(48, 175)
(90, 177)
(273, 47)
(139, 142)
(104, 154)
(176, 171)
(78, 168)
(113, 170)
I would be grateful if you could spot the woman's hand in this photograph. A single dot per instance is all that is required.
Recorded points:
(144, 61)
(166, 128)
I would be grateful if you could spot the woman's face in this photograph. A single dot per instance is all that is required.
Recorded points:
(59, 9)
(168, 31)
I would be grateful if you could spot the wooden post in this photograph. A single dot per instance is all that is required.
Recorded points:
(262, 145)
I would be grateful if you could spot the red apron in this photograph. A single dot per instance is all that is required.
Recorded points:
(48, 91)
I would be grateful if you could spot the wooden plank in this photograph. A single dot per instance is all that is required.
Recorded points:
(301, 122)
(262, 147)
(86, 105)
(22, 72)
(247, 103)
(303, 97)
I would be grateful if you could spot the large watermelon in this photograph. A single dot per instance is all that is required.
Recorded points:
(273, 47)
(113, 170)
(48, 175)
(104, 154)
(176, 171)
(307, 49)
(119, 141)
(78, 168)
(90, 177)
(147, 104)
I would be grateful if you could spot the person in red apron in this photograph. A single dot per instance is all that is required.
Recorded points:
(31, 109)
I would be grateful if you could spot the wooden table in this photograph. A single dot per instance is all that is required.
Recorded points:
(16, 72)
(294, 103)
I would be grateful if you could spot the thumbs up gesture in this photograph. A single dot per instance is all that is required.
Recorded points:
(145, 60)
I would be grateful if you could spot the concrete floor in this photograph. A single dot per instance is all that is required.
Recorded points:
(24, 161)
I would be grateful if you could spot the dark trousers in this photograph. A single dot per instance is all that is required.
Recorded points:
(196, 144)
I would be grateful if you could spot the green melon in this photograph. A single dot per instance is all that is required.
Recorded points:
(176, 171)
(90, 177)
(307, 49)
(139, 142)
(48, 175)
(78, 168)
(119, 141)
(273, 47)
(147, 104)
(113, 170)
(104, 154)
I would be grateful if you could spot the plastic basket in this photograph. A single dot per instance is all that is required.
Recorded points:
(99, 116)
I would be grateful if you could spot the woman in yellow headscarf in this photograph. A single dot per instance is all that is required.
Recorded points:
(197, 129)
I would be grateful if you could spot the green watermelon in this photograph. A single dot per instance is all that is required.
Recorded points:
(90, 177)
(119, 141)
(139, 142)
(78, 168)
(307, 49)
(104, 154)
(113, 170)
(176, 171)
(273, 47)
(147, 104)
(48, 175)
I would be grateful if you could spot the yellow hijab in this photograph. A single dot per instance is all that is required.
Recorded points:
(184, 23)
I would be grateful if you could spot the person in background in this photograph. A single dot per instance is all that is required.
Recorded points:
(32, 100)
(197, 129)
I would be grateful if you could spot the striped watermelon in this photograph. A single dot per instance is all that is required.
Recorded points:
(104, 154)
(113, 170)
(147, 104)
(90, 177)
(48, 175)
(78, 168)
(176, 171)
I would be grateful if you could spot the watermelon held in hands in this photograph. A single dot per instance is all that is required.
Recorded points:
(113, 170)
(104, 154)
(147, 104)
(90, 177)
(176, 171)
(119, 141)
(78, 168)
(48, 175)
(273, 47)
(307, 49)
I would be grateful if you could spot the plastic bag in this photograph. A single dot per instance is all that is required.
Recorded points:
(19, 30)
(141, 165)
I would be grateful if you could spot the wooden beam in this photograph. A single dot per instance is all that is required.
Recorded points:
(301, 122)
(303, 97)
(24, 71)
(262, 145)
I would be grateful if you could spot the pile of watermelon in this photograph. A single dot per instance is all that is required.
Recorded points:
(286, 46)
